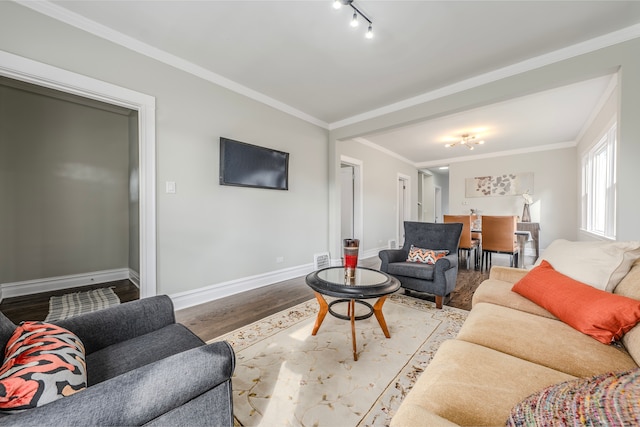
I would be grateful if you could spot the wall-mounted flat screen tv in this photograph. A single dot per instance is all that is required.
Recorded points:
(248, 165)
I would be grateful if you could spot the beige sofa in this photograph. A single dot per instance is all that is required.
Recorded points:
(508, 349)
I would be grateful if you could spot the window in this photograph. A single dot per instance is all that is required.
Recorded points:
(599, 187)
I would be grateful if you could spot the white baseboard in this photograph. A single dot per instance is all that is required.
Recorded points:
(372, 253)
(220, 290)
(213, 292)
(27, 287)
(134, 277)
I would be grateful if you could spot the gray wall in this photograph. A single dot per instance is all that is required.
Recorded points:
(206, 233)
(380, 188)
(555, 186)
(67, 205)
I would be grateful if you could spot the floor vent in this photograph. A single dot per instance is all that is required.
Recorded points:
(321, 260)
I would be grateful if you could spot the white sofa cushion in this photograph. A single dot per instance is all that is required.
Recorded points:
(599, 264)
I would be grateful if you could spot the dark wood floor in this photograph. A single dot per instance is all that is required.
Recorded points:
(212, 319)
(215, 318)
(36, 306)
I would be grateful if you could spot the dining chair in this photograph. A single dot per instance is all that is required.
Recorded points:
(476, 224)
(467, 243)
(498, 236)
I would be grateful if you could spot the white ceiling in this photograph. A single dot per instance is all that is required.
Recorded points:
(304, 58)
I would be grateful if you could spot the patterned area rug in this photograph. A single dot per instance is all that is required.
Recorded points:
(69, 305)
(286, 376)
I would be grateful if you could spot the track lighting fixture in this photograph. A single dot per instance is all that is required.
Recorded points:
(466, 140)
(337, 4)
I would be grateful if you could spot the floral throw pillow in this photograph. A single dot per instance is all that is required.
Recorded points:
(425, 256)
(42, 363)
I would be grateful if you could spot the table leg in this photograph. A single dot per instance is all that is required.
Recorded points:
(521, 246)
(352, 314)
(324, 308)
(377, 310)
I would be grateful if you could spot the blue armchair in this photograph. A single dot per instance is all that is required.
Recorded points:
(438, 279)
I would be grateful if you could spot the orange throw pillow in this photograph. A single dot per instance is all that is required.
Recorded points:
(602, 315)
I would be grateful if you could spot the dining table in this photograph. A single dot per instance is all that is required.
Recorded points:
(523, 237)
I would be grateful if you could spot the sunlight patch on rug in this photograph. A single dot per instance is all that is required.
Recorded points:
(286, 376)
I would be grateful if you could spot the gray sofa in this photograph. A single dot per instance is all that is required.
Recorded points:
(143, 368)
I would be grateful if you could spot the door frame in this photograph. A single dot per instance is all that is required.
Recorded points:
(437, 204)
(30, 71)
(358, 197)
(405, 208)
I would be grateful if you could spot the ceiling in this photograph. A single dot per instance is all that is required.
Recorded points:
(304, 58)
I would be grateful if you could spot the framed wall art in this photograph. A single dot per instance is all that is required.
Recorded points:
(510, 184)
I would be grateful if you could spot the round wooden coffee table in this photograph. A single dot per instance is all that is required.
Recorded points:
(366, 284)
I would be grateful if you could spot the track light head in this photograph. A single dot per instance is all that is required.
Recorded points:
(354, 20)
(337, 4)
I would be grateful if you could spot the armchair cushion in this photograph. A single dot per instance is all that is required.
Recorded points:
(131, 354)
(412, 269)
(43, 363)
(425, 256)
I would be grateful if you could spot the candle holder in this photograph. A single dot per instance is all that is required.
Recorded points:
(350, 250)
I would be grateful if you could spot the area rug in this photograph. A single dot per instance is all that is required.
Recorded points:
(284, 376)
(68, 305)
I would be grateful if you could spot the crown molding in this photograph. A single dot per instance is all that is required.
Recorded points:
(386, 151)
(568, 52)
(66, 16)
(493, 155)
(430, 164)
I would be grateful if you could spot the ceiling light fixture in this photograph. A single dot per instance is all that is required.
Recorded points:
(337, 4)
(467, 140)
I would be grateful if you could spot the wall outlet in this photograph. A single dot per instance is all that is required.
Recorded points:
(170, 187)
(280, 259)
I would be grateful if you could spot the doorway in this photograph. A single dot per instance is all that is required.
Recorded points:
(403, 206)
(33, 72)
(437, 204)
(350, 199)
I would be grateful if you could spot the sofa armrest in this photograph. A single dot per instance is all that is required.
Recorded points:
(102, 328)
(138, 396)
(507, 274)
